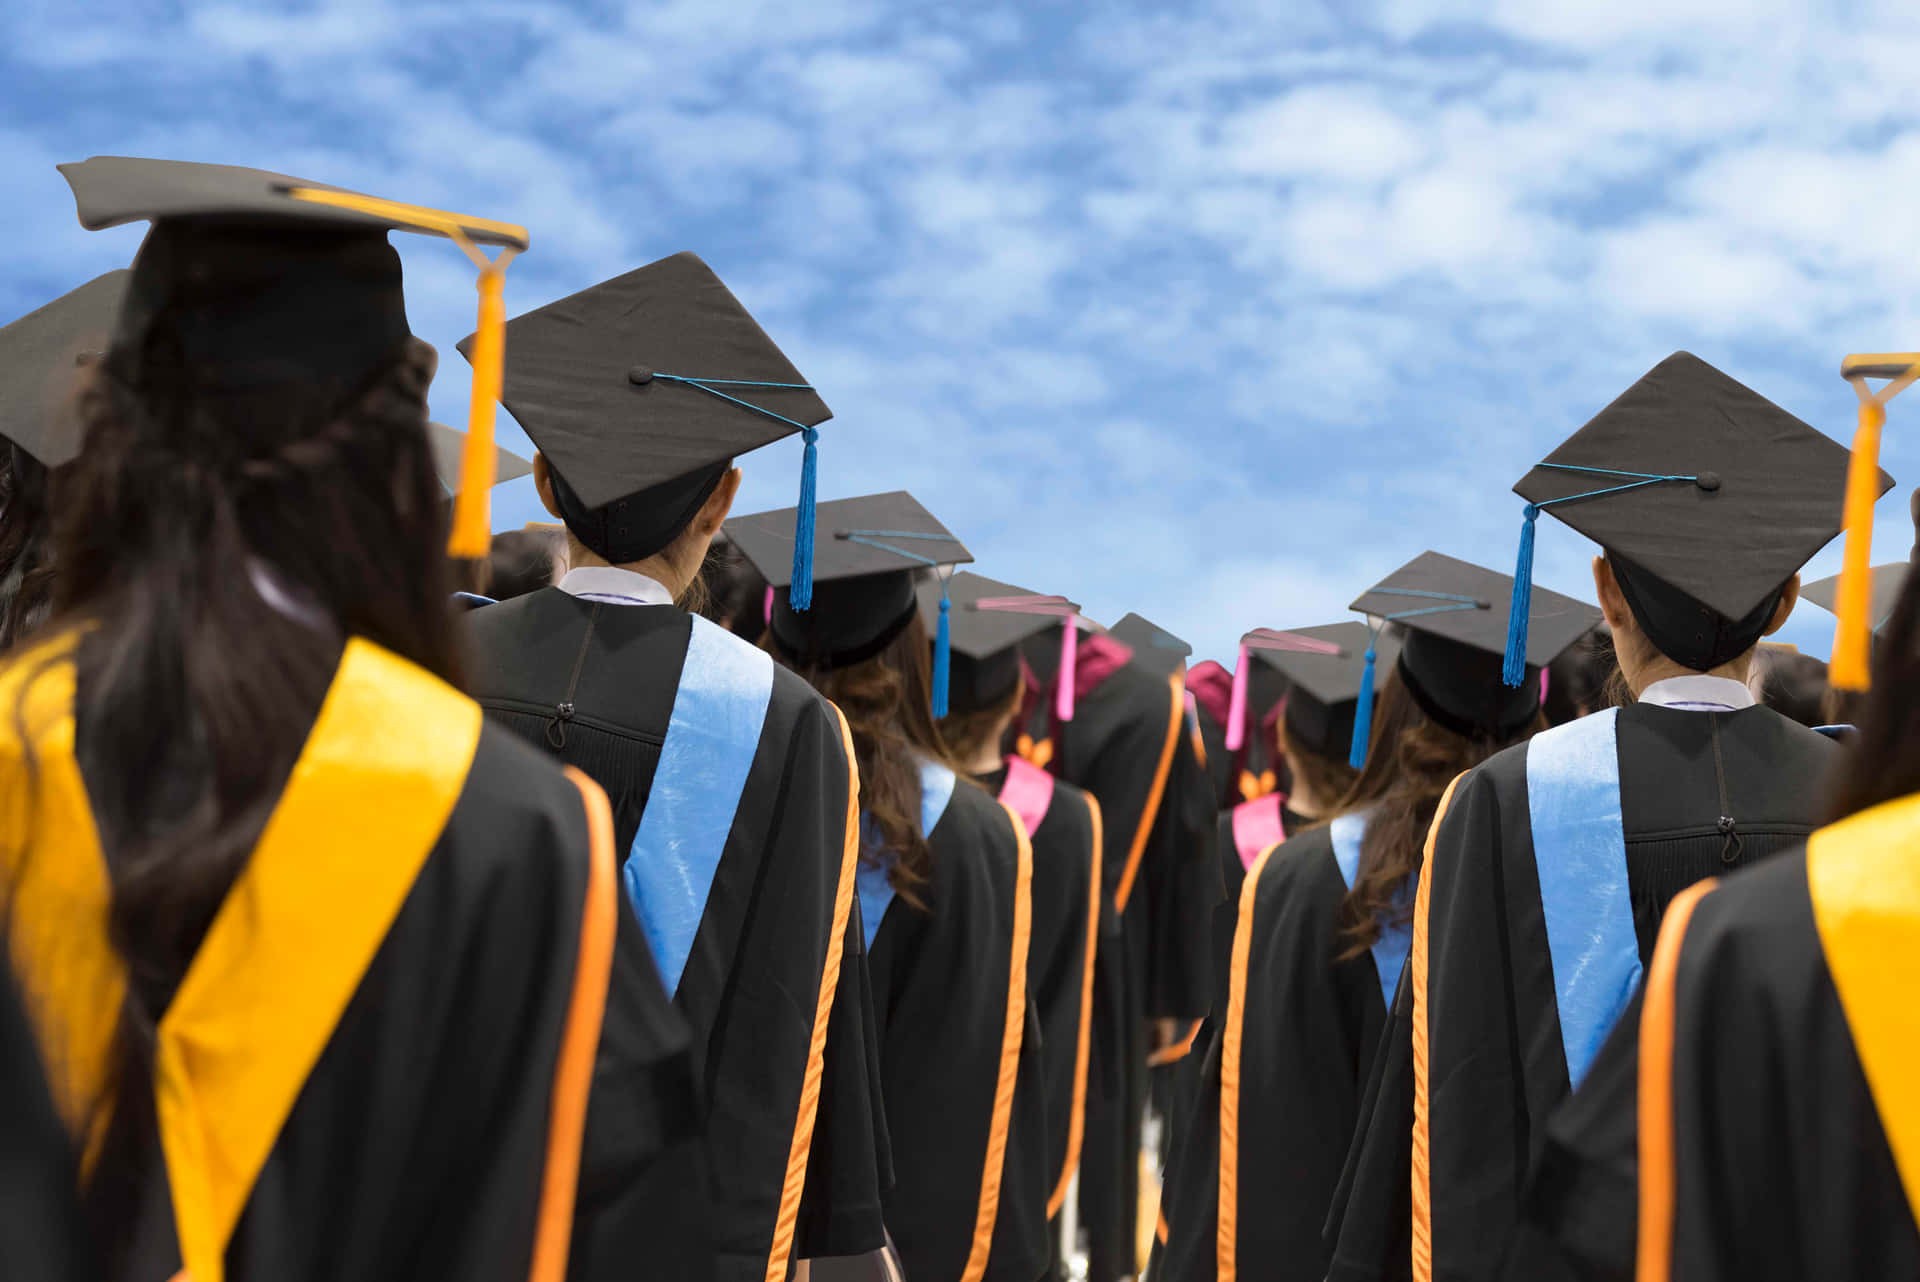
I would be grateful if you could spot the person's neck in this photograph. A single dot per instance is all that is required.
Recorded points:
(985, 761)
(1658, 667)
(1302, 799)
(657, 567)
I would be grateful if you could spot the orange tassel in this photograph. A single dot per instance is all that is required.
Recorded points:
(1850, 667)
(472, 533)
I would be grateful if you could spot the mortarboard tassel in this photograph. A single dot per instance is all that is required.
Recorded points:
(800, 594)
(1363, 713)
(471, 536)
(1069, 660)
(1237, 704)
(942, 654)
(1853, 601)
(766, 610)
(1514, 670)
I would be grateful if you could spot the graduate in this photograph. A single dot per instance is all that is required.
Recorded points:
(1119, 729)
(473, 577)
(1238, 712)
(42, 1234)
(988, 621)
(946, 877)
(41, 358)
(328, 973)
(1551, 865)
(1761, 1091)
(1321, 922)
(732, 782)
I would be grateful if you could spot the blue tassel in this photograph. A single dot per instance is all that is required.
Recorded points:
(1514, 671)
(1363, 715)
(800, 594)
(942, 656)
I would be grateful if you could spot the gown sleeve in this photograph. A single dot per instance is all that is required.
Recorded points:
(1182, 864)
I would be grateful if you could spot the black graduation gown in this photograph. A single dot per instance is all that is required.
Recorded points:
(42, 1238)
(1780, 1163)
(1128, 745)
(960, 1053)
(1302, 1038)
(450, 1009)
(1490, 1024)
(595, 685)
(1066, 923)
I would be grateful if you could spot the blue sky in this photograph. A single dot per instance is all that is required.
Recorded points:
(1217, 311)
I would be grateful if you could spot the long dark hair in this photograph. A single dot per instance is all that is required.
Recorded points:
(889, 708)
(26, 555)
(1412, 760)
(1882, 761)
(195, 692)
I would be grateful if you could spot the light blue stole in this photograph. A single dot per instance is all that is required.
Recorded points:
(876, 892)
(712, 736)
(1580, 851)
(1396, 937)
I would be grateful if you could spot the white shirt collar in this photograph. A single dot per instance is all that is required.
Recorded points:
(614, 586)
(1698, 692)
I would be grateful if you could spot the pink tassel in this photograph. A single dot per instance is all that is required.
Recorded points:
(768, 620)
(1543, 686)
(1237, 706)
(1069, 655)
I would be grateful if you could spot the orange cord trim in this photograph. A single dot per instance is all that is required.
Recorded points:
(1656, 1089)
(1422, 1107)
(1178, 1051)
(1151, 811)
(1083, 1051)
(802, 1147)
(1010, 1039)
(1227, 1222)
(580, 1042)
(1160, 1229)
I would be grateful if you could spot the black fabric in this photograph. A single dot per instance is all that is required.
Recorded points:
(1460, 687)
(1783, 1166)
(1154, 957)
(42, 1234)
(1322, 690)
(40, 357)
(417, 1146)
(1154, 648)
(636, 526)
(1691, 634)
(1479, 622)
(1771, 498)
(974, 685)
(581, 378)
(940, 982)
(750, 985)
(853, 538)
(1307, 1040)
(851, 620)
(1323, 728)
(1495, 1057)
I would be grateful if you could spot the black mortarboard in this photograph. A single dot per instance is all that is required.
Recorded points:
(450, 452)
(871, 553)
(1707, 498)
(39, 355)
(987, 620)
(1324, 668)
(641, 390)
(1154, 648)
(269, 281)
(1454, 642)
(1888, 580)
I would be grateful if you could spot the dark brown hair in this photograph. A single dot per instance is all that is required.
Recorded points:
(522, 561)
(967, 734)
(1881, 763)
(1330, 779)
(1411, 761)
(194, 692)
(889, 708)
(26, 553)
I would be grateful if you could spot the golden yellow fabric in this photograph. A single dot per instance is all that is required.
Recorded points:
(1853, 599)
(50, 862)
(1864, 878)
(366, 803)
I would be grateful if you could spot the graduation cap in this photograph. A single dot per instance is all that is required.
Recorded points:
(1453, 653)
(449, 455)
(871, 553)
(1325, 669)
(987, 621)
(1853, 596)
(270, 279)
(1707, 498)
(1154, 648)
(641, 390)
(1887, 582)
(39, 354)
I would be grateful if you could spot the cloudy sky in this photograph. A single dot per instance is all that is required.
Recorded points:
(1218, 311)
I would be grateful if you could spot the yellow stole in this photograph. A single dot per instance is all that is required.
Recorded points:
(366, 803)
(1863, 874)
